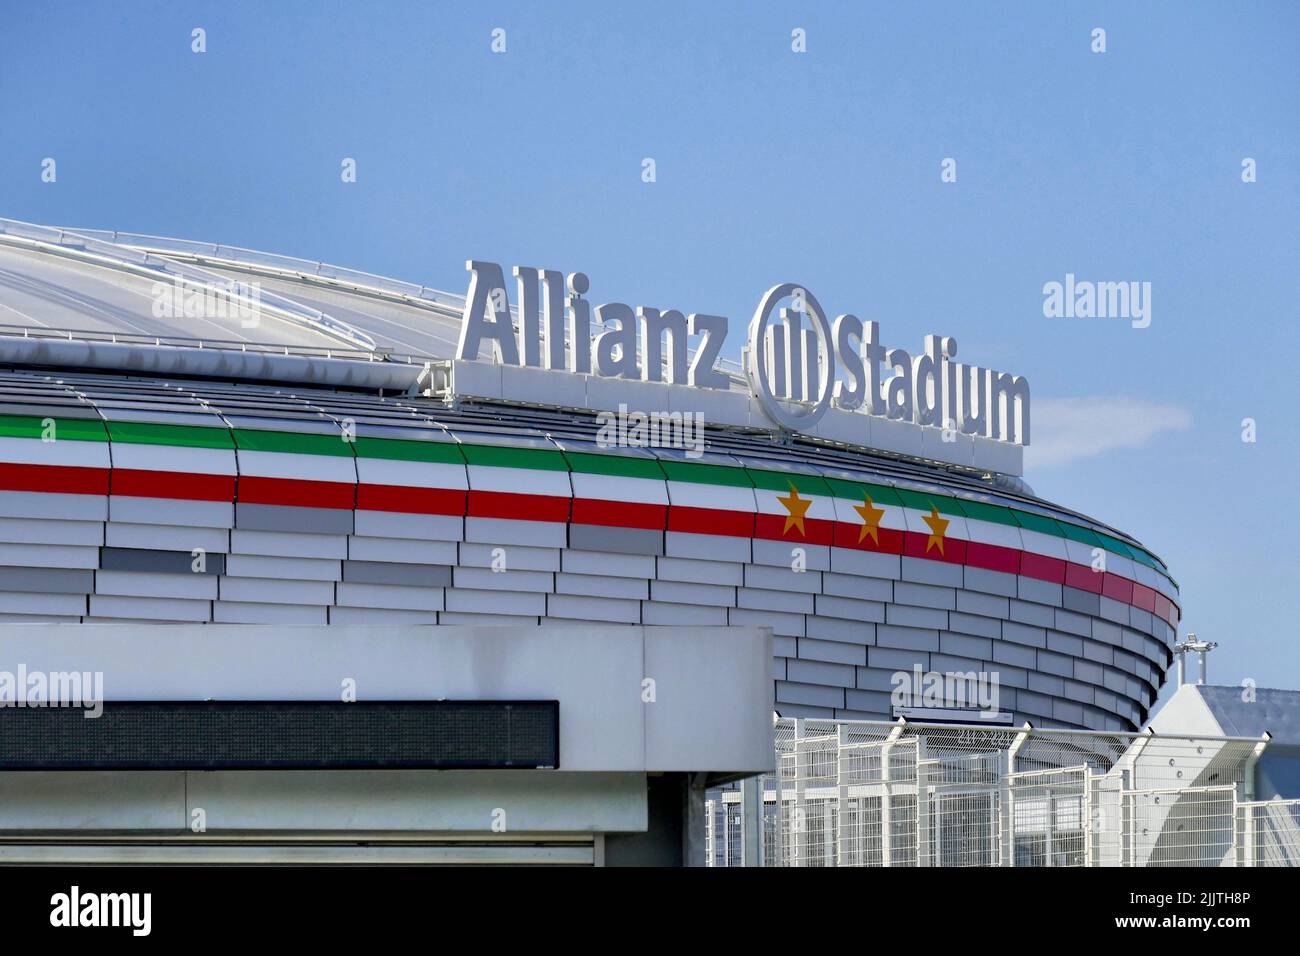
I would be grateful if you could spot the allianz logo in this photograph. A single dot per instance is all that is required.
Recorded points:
(797, 362)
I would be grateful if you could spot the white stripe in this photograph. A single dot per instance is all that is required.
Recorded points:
(175, 458)
(991, 532)
(33, 451)
(1050, 545)
(527, 481)
(279, 464)
(689, 494)
(615, 488)
(846, 511)
(412, 474)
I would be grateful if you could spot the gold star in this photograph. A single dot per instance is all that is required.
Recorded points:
(871, 516)
(798, 507)
(937, 528)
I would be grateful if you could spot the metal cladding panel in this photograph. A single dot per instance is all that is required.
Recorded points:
(616, 540)
(389, 596)
(504, 531)
(71, 507)
(383, 572)
(145, 511)
(237, 612)
(472, 555)
(178, 536)
(38, 531)
(12, 602)
(202, 587)
(298, 569)
(289, 545)
(596, 585)
(47, 580)
(260, 517)
(149, 608)
(283, 735)
(401, 550)
(393, 524)
(277, 591)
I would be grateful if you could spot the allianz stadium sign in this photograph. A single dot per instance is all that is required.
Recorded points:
(798, 364)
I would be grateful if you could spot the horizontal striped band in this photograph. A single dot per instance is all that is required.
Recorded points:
(544, 459)
(521, 506)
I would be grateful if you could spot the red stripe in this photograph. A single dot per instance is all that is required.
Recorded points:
(71, 479)
(1143, 597)
(846, 536)
(620, 514)
(518, 507)
(772, 528)
(1117, 588)
(917, 544)
(298, 492)
(408, 500)
(992, 557)
(136, 483)
(1083, 577)
(1042, 567)
(735, 524)
(54, 479)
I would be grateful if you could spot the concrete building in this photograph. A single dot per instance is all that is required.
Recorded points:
(378, 744)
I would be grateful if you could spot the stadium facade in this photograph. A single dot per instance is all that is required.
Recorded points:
(385, 574)
(307, 445)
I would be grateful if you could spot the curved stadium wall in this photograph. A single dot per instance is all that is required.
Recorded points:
(191, 500)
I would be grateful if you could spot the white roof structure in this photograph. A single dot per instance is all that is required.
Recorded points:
(1233, 712)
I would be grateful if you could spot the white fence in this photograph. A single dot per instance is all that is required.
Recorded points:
(860, 793)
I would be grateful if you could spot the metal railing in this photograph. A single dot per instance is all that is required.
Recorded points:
(863, 793)
(182, 341)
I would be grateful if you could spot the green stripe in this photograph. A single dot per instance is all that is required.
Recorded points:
(782, 480)
(504, 456)
(1146, 559)
(620, 466)
(1083, 535)
(401, 449)
(1116, 545)
(156, 433)
(1031, 521)
(702, 474)
(858, 490)
(983, 511)
(70, 429)
(924, 501)
(294, 443)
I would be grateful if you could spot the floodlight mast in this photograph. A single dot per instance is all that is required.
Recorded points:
(1192, 643)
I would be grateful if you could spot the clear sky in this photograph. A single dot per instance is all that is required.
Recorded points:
(821, 168)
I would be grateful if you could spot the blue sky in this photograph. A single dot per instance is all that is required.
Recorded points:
(820, 168)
